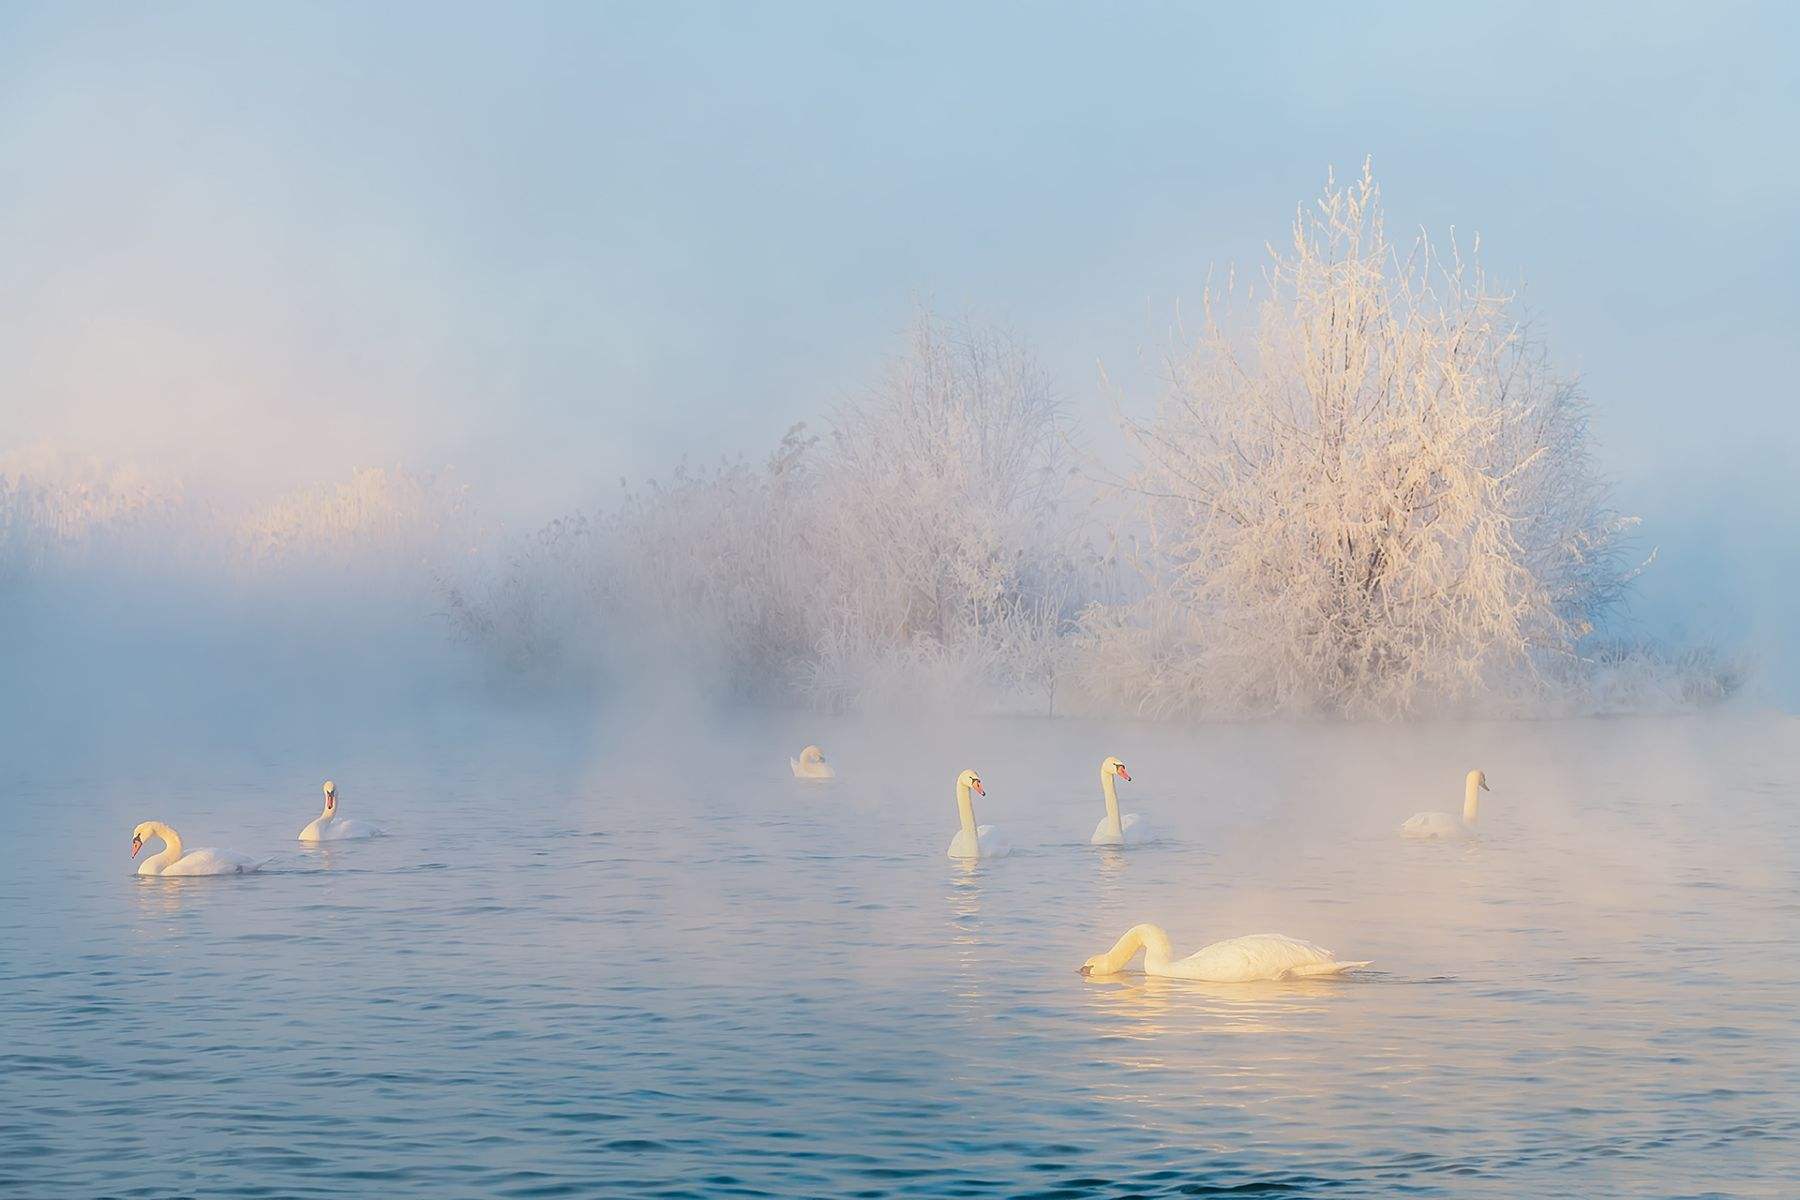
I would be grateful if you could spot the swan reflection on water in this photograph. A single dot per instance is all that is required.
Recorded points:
(963, 896)
(156, 898)
(1141, 1003)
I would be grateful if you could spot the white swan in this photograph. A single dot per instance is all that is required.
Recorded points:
(1114, 830)
(1442, 824)
(1239, 960)
(171, 861)
(329, 827)
(971, 841)
(811, 765)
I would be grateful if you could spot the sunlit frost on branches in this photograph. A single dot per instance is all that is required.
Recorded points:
(1379, 499)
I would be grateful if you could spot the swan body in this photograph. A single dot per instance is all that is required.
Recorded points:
(170, 860)
(811, 765)
(974, 841)
(1115, 830)
(329, 827)
(1443, 824)
(1238, 960)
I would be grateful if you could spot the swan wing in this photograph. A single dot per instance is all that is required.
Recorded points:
(1133, 831)
(1431, 825)
(344, 830)
(1253, 956)
(208, 861)
(1137, 829)
(993, 843)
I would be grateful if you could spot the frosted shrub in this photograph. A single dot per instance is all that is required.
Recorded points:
(702, 577)
(1618, 676)
(534, 615)
(1380, 499)
(60, 511)
(712, 566)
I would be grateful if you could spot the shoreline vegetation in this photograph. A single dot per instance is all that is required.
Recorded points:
(1365, 492)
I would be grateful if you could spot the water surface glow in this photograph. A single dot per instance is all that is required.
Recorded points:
(604, 966)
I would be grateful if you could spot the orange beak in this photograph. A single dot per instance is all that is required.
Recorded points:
(979, 790)
(1124, 774)
(137, 843)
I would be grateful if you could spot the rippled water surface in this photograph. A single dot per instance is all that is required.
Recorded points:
(587, 963)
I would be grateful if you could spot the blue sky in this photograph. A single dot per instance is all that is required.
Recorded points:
(554, 245)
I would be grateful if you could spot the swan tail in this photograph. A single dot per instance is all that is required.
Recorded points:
(1324, 968)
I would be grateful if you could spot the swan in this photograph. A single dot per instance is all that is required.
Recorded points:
(171, 861)
(1114, 830)
(1237, 960)
(811, 765)
(327, 827)
(971, 841)
(1442, 824)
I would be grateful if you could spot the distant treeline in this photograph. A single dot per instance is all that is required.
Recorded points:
(1364, 492)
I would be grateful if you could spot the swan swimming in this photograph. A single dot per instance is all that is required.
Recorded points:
(1442, 824)
(971, 841)
(1237, 960)
(329, 827)
(171, 861)
(811, 765)
(1114, 830)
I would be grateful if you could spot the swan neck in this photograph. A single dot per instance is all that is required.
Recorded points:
(1111, 791)
(965, 808)
(1149, 938)
(171, 851)
(1157, 950)
(1470, 794)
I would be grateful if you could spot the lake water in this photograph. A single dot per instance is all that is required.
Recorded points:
(646, 961)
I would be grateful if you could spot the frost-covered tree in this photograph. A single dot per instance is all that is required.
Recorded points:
(1378, 497)
(945, 543)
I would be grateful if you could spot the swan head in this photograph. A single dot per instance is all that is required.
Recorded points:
(812, 754)
(1112, 766)
(145, 829)
(330, 795)
(1105, 964)
(971, 781)
(1478, 779)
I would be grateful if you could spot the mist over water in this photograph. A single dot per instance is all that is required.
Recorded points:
(643, 959)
